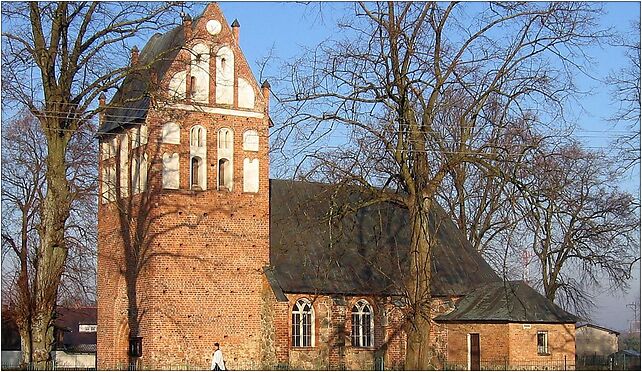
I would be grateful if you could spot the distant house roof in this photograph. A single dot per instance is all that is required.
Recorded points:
(363, 253)
(512, 301)
(597, 327)
(69, 320)
(628, 352)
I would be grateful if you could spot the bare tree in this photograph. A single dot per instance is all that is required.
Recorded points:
(583, 227)
(625, 85)
(57, 58)
(400, 101)
(24, 156)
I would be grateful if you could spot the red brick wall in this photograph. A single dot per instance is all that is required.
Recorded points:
(512, 344)
(493, 340)
(196, 257)
(523, 342)
(333, 326)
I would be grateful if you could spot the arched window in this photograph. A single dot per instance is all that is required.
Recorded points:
(200, 73)
(197, 136)
(225, 76)
(177, 85)
(192, 82)
(302, 324)
(224, 175)
(362, 324)
(195, 166)
(225, 156)
(225, 138)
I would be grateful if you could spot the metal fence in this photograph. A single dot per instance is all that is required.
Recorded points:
(617, 362)
(49, 367)
(504, 364)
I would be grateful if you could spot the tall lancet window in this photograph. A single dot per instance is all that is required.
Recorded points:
(198, 158)
(225, 153)
(362, 324)
(302, 324)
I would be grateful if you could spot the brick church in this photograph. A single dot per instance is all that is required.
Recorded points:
(197, 245)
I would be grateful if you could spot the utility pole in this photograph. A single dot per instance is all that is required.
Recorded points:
(526, 259)
(634, 325)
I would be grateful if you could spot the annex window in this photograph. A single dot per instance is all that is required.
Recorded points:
(542, 343)
(302, 324)
(251, 140)
(362, 324)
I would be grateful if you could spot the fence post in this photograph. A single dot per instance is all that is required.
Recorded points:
(565, 362)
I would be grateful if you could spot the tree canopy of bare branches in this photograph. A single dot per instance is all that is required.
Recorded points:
(409, 92)
(625, 85)
(57, 59)
(581, 226)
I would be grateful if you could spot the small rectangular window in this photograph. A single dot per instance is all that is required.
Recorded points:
(87, 328)
(542, 343)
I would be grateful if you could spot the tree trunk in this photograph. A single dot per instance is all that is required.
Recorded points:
(419, 351)
(25, 345)
(53, 251)
(42, 341)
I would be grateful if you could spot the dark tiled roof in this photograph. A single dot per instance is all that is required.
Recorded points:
(82, 348)
(131, 102)
(512, 301)
(365, 252)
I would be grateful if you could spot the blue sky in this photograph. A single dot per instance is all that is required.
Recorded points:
(286, 27)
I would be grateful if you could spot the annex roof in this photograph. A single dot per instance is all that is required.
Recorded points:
(596, 327)
(511, 301)
(364, 252)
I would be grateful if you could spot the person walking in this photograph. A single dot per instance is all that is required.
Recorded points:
(218, 364)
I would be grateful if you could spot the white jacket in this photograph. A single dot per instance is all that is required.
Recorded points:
(217, 358)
